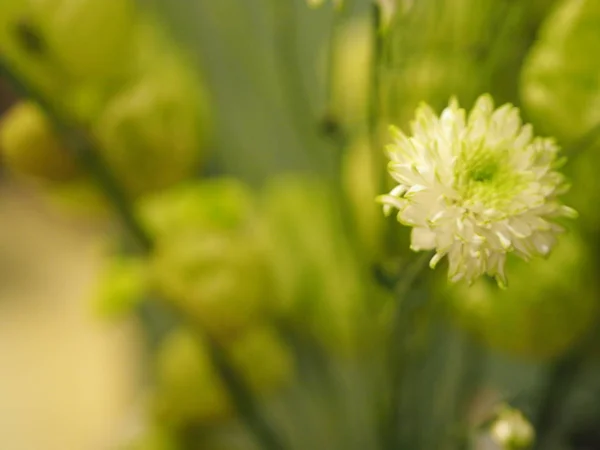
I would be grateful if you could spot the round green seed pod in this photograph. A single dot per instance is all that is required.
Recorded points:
(30, 145)
(548, 305)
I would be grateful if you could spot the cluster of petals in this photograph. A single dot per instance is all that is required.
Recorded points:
(476, 187)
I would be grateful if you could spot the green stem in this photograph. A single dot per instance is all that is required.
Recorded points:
(378, 108)
(294, 86)
(330, 123)
(473, 372)
(406, 306)
(374, 98)
(561, 380)
(242, 397)
(85, 150)
(286, 42)
(562, 377)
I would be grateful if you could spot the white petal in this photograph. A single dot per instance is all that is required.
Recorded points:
(436, 259)
(422, 239)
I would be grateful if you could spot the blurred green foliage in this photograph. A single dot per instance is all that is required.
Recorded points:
(560, 82)
(534, 320)
(247, 137)
(135, 91)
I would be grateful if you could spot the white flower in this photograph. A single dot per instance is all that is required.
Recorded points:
(476, 188)
(511, 430)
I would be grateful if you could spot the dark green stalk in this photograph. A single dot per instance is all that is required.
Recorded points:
(85, 150)
(375, 94)
(294, 86)
(472, 374)
(286, 42)
(378, 108)
(330, 123)
(243, 398)
(563, 375)
(405, 308)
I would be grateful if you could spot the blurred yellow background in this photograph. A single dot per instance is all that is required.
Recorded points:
(67, 380)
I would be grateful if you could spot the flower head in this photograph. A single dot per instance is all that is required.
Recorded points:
(476, 188)
(511, 430)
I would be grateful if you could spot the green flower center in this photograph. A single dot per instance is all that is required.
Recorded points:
(485, 175)
(483, 171)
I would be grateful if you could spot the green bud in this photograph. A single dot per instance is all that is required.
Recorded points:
(188, 390)
(23, 44)
(30, 145)
(511, 430)
(218, 278)
(215, 204)
(152, 133)
(207, 258)
(560, 86)
(87, 39)
(122, 285)
(74, 52)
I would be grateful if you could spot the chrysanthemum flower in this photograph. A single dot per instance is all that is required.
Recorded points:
(476, 188)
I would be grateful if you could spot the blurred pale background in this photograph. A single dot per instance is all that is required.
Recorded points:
(67, 380)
